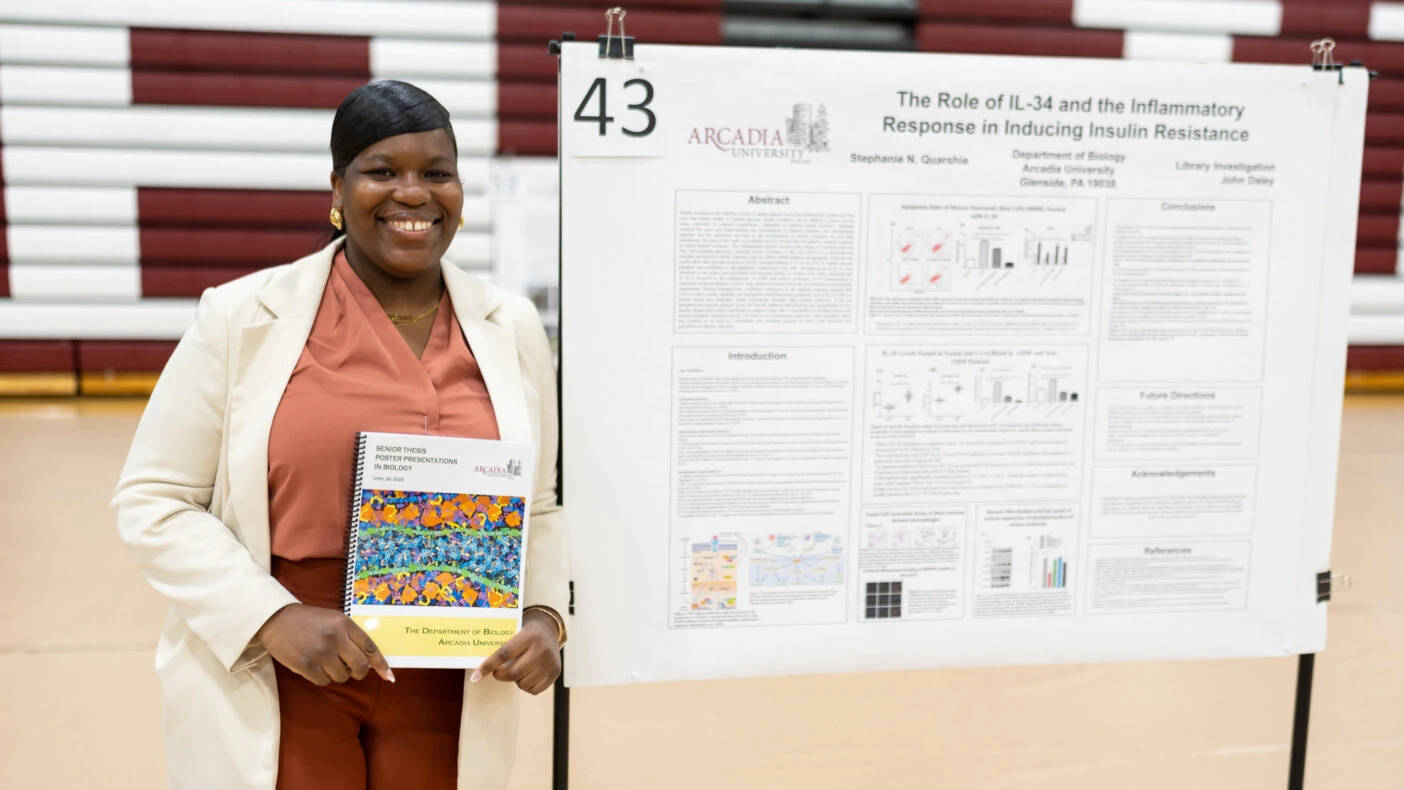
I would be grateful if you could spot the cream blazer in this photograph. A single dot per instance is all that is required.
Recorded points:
(193, 506)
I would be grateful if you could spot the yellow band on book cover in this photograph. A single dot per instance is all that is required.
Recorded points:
(436, 636)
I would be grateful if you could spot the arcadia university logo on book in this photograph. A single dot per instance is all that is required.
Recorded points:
(511, 471)
(805, 132)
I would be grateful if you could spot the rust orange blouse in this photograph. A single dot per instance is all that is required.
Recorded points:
(358, 374)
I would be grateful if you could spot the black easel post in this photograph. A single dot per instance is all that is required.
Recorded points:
(1306, 667)
(560, 704)
(560, 736)
(560, 709)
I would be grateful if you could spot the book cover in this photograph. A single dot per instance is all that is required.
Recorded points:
(437, 546)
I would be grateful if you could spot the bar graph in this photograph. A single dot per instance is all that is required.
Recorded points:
(1049, 246)
(1050, 254)
(1053, 255)
(1055, 573)
(1051, 387)
(988, 254)
(997, 389)
(1048, 566)
(1024, 563)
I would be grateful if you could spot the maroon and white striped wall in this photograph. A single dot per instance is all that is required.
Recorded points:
(1248, 32)
(150, 150)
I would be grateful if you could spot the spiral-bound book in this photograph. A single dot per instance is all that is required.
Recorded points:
(436, 545)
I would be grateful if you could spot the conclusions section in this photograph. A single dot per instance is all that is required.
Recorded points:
(761, 470)
(766, 262)
(1187, 295)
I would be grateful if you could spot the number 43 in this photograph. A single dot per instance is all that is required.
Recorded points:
(604, 119)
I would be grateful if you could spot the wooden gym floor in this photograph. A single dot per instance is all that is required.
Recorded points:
(80, 702)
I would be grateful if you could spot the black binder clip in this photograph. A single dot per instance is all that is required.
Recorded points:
(1360, 64)
(613, 47)
(1328, 583)
(1322, 51)
(554, 47)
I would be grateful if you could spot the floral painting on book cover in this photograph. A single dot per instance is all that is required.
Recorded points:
(431, 549)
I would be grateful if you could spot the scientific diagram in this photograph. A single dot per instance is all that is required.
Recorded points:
(934, 246)
(987, 265)
(750, 579)
(921, 260)
(956, 423)
(899, 538)
(789, 560)
(713, 566)
(1042, 564)
(941, 383)
(912, 563)
(1024, 556)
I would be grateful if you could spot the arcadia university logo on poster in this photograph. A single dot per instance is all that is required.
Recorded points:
(805, 132)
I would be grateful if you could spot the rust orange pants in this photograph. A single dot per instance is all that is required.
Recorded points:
(366, 734)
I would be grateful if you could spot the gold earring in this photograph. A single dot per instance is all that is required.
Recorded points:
(461, 222)
(336, 217)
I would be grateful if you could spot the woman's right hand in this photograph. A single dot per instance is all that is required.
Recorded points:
(322, 645)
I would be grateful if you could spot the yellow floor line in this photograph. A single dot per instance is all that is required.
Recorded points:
(38, 384)
(118, 383)
(44, 385)
(1375, 381)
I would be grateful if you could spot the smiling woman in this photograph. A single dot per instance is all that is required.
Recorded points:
(396, 197)
(234, 497)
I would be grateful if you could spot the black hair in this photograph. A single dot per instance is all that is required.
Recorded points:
(378, 110)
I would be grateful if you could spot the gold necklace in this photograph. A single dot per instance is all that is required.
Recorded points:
(409, 320)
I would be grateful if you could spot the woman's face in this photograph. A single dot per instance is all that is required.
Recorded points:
(401, 200)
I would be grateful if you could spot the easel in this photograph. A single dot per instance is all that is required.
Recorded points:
(613, 47)
(622, 47)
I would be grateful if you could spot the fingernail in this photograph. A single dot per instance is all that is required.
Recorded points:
(477, 676)
(390, 674)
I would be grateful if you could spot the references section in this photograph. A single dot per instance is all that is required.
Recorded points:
(1168, 577)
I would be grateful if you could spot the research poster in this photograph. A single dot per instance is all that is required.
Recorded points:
(894, 361)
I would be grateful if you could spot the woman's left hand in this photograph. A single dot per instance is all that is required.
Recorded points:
(531, 659)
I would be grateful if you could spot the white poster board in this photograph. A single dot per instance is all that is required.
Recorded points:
(891, 361)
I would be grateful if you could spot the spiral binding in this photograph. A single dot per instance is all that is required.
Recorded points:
(353, 532)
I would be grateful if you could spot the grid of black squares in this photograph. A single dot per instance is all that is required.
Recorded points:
(884, 601)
